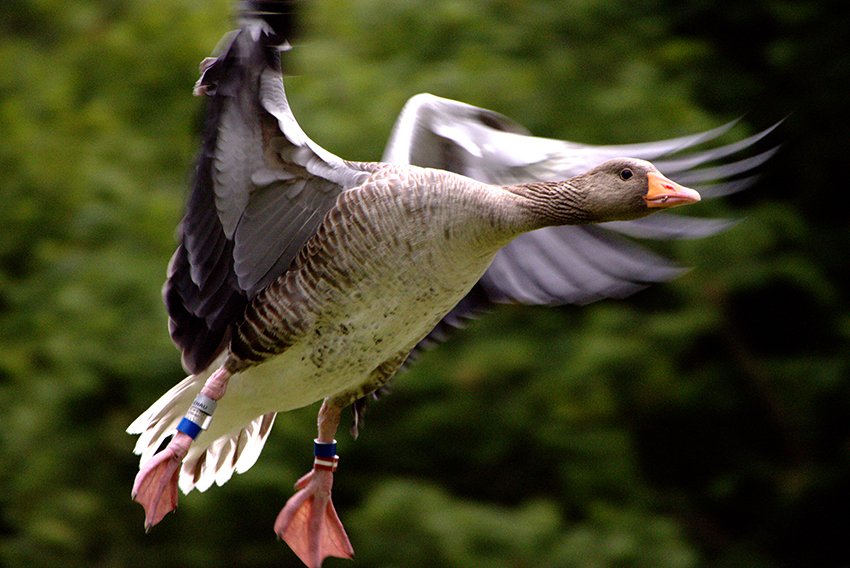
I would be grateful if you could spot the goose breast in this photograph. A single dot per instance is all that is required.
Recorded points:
(386, 264)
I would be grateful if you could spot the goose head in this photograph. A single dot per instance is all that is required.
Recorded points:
(619, 189)
(626, 188)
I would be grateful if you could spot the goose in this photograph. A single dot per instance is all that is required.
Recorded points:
(302, 277)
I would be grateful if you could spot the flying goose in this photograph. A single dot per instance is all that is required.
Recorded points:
(301, 276)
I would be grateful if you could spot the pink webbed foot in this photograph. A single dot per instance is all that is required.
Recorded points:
(155, 487)
(308, 523)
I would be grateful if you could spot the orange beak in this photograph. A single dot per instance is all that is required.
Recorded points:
(664, 193)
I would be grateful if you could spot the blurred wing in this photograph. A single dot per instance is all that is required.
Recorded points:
(260, 190)
(570, 264)
(441, 133)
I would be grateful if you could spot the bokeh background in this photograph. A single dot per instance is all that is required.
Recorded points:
(700, 423)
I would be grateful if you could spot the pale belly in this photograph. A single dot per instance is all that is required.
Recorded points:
(378, 322)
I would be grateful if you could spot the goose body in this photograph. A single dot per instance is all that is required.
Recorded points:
(302, 277)
(390, 259)
(374, 280)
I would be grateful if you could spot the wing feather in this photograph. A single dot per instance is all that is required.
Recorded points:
(260, 190)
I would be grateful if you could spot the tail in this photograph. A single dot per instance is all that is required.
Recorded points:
(217, 453)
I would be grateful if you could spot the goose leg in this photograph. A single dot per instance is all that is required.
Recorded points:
(155, 487)
(308, 522)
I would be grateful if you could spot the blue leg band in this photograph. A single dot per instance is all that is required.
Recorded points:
(324, 449)
(189, 428)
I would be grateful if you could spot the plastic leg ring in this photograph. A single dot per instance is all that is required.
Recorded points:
(189, 428)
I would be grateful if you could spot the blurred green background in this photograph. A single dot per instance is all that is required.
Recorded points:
(700, 423)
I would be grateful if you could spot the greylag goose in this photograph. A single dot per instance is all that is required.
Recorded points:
(302, 277)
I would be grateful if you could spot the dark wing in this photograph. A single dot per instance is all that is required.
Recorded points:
(261, 187)
(570, 264)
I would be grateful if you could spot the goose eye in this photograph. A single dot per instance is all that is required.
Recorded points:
(625, 174)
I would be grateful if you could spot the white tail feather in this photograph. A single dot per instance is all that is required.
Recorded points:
(159, 421)
(217, 462)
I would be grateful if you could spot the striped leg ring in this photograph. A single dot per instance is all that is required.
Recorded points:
(326, 458)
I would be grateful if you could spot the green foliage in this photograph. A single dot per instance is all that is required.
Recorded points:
(429, 528)
(700, 423)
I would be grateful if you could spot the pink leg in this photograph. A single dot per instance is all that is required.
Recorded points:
(155, 487)
(309, 523)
